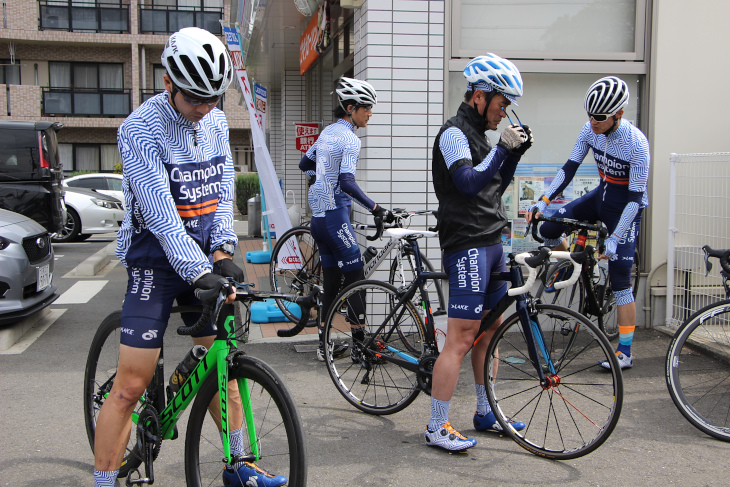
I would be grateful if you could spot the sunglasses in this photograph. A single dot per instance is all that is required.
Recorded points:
(600, 117)
(366, 107)
(194, 101)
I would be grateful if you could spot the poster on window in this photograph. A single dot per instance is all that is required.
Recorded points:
(507, 238)
(521, 242)
(509, 201)
(529, 188)
(582, 185)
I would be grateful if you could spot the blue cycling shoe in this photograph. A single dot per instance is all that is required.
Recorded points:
(489, 423)
(250, 475)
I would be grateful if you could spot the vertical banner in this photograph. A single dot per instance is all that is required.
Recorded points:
(307, 134)
(261, 99)
(276, 210)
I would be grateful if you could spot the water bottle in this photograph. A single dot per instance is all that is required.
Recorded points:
(185, 367)
(369, 253)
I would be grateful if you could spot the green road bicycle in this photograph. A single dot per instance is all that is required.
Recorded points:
(271, 424)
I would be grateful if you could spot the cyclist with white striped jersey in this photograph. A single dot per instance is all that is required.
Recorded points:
(331, 164)
(621, 152)
(177, 234)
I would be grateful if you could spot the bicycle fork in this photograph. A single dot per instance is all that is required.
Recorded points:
(536, 346)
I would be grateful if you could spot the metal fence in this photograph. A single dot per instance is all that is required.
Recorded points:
(699, 214)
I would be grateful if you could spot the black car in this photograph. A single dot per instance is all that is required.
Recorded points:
(31, 173)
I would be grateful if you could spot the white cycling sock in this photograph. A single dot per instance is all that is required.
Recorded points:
(482, 402)
(235, 438)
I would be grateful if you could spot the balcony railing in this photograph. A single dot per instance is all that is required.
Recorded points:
(86, 102)
(84, 16)
(160, 19)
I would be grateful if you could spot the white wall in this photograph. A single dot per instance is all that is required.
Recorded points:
(688, 96)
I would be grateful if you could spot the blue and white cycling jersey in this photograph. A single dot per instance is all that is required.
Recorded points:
(336, 151)
(178, 189)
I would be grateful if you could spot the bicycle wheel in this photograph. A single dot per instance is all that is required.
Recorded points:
(403, 272)
(101, 367)
(301, 279)
(279, 436)
(698, 370)
(578, 407)
(366, 377)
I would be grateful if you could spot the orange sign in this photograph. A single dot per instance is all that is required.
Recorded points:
(307, 44)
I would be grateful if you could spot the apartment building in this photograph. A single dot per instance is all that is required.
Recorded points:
(88, 64)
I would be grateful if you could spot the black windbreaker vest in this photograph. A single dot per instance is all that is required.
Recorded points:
(467, 222)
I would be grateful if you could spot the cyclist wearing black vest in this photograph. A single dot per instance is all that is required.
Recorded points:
(469, 178)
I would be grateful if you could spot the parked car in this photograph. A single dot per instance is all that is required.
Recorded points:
(31, 173)
(26, 267)
(105, 183)
(89, 212)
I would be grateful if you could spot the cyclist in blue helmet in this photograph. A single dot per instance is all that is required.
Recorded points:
(469, 177)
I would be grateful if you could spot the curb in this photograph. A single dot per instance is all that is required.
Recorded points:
(11, 334)
(92, 265)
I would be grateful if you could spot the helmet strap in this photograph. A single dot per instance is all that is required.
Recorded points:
(174, 92)
(613, 127)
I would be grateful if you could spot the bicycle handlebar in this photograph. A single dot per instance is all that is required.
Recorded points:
(213, 300)
(571, 223)
(723, 255)
(400, 216)
(535, 259)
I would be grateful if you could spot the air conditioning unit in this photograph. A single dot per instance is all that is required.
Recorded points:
(307, 7)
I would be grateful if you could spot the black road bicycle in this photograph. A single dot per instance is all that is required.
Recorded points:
(542, 361)
(272, 428)
(698, 361)
(592, 295)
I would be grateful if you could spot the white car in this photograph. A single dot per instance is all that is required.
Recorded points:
(89, 212)
(105, 183)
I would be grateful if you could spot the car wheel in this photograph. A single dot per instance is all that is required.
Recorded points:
(71, 229)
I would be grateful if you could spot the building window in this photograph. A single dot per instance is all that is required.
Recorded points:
(548, 29)
(168, 16)
(84, 15)
(158, 83)
(86, 89)
(9, 73)
(89, 157)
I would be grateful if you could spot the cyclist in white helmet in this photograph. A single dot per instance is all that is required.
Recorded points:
(178, 191)
(331, 164)
(621, 152)
(469, 177)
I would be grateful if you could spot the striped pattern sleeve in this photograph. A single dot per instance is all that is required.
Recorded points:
(148, 181)
(640, 162)
(222, 230)
(454, 146)
(580, 150)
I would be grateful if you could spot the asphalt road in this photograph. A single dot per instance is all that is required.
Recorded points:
(43, 440)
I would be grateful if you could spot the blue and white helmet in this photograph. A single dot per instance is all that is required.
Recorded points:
(493, 73)
(607, 96)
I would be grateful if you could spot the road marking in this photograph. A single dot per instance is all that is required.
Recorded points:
(33, 333)
(81, 292)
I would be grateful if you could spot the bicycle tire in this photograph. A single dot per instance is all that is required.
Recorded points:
(101, 367)
(578, 411)
(282, 449)
(292, 281)
(698, 369)
(371, 382)
(432, 286)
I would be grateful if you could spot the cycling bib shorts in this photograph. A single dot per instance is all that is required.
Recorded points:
(336, 240)
(147, 305)
(470, 290)
(591, 207)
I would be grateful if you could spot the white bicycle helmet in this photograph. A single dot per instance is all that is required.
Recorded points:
(607, 96)
(355, 91)
(497, 73)
(198, 62)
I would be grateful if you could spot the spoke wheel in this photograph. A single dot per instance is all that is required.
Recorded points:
(698, 370)
(575, 410)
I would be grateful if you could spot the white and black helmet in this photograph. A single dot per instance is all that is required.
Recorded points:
(491, 72)
(607, 96)
(198, 62)
(355, 92)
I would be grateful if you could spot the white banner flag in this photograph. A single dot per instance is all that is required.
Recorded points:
(276, 210)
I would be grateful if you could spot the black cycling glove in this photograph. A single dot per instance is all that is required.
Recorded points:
(227, 268)
(385, 215)
(520, 150)
(212, 281)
